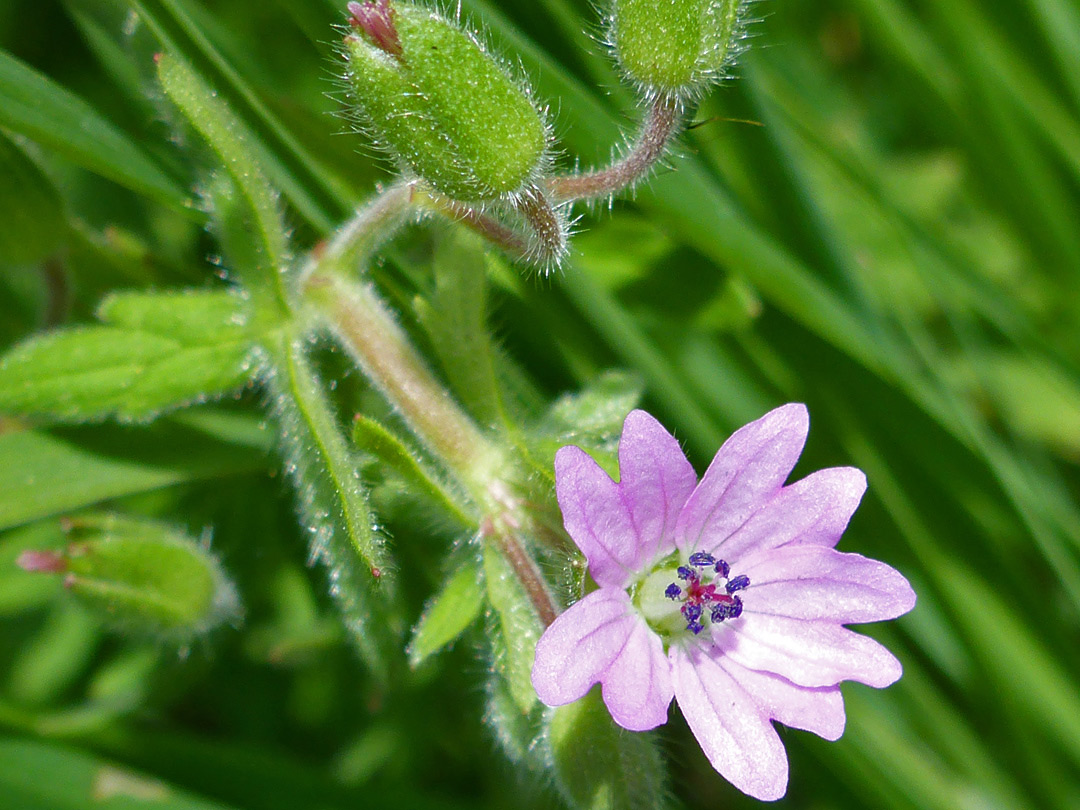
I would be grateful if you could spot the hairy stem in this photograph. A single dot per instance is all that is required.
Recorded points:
(368, 331)
(661, 125)
(547, 244)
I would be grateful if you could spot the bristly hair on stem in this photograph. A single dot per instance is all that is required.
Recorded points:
(662, 124)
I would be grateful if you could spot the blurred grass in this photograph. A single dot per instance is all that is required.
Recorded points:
(898, 245)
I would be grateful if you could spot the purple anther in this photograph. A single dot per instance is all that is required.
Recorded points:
(702, 559)
(722, 568)
(686, 573)
(738, 583)
(691, 612)
(376, 19)
(673, 591)
(735, 611)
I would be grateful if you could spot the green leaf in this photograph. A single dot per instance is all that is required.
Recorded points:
(30, 209)
(333, 506)
(43, 474)
(374, 438)
(36, 107)
(456, 320)
(39, 776)
(89, 373)
(189, 316)
(213, 120)
(518, 627)
(448, 614)
(163, 351)
(599, 766)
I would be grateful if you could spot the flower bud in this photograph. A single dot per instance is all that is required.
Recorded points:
(439, 104)
(676, 46)
(141, 576)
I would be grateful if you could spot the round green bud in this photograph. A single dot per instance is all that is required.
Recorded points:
(439, 104)
(676, 46)
(141, 576)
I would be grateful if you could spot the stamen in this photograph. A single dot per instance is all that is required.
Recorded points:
(673, 591)
(686, 573)
(722, 568)
(702, 559)
(738, 583)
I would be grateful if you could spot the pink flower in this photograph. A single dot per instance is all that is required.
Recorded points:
(725, 594)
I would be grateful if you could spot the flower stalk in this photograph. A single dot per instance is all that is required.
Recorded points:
(662, 124)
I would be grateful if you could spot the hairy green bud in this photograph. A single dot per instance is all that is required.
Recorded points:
(445, 109)
(141, 576)
(676, 46)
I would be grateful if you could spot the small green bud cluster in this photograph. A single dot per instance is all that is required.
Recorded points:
(676, 47)
(443, 107)
(141, 576)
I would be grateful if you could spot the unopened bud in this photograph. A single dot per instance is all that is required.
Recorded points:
(676, 46)
(445, 109)
(141, 575)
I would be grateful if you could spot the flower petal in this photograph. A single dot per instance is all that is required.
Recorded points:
(655, 480)
(807, 653)
(577, 649)
(811, 582)
(637, 686)
(820, 710)
(735, 735)
(746, 473)
(813, 511)
(596, 517)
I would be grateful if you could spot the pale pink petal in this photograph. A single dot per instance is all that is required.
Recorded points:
(579, 646)
(811, 582)
(596, 517)
(813, 511)
(655, 480)
(735, 735)
(807, 653)
(746, 473)
(820, 709)
(637, 686)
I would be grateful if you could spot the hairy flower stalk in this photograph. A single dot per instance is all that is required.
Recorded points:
(662, 125)
(725, 594)
(364, 325)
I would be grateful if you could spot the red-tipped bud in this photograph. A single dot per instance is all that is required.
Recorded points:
(49, 562)
(376, 19)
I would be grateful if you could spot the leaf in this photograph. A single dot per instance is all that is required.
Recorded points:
(213, 120)
(518, 627)
(44, 474)
(30, 209)
(166, 351)
(448, 614)
(40, 776)
(599, 766)
(374, 438)
(456, 320)
(36, 107)
(333, 506)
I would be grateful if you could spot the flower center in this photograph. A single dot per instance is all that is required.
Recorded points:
(704, 591)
